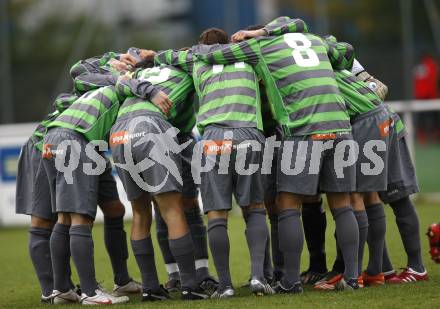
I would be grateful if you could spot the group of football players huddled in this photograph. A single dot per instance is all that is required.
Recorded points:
(280, 113)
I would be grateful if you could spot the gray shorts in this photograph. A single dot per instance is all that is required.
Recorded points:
(402, 180)
(271, 178)
(32, 190)
(108, 190)
(368, 128)
(80, 196)
(189, 189)
(146, 158)
(301, 173)
(222, 181)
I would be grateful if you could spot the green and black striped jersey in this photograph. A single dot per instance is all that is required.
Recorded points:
(64, 100)
(228, 95)
(93, 73)
(297, 72)
(91, 115)
(359, 98)
(269, 122)
(41, 129)
(174, 82)
(61, 103)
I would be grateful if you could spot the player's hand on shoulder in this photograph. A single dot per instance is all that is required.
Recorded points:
(147, 54)
(118, 65)
(128, 59)
(162, 101)
(246, 34)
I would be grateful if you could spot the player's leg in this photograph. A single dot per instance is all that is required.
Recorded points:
(293, 183)
(81, 244)
(39, 251)
(373, 126)
(198, 232)
(248, 188)
(115, 238)
(193, 215)
(408, 223)
(173, 283)
(314, 224)
(376, 239)
(347, 232)
(336, 188)
(273, 259)
(357, 202)
(387, 266)
(59, 239)
(33, 198)
(180, 242)
(257, 236)
(216, 191)
(400, 187)
(272, 210)
(77, 195)
(143, 250)
(60, 256)
(219, 246)
(270, 203)
(140, 237)
(291, 239)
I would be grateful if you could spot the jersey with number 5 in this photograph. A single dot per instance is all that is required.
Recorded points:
(175, 83)
(298, 75)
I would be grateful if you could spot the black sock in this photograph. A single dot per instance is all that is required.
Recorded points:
(144, 253)
(315, 224)
(183, 251)
(164, 245)
(219, 245)
(39, 251)
(347, 231)
(386, 263)
(60, 256)
(257, 234)
(199, 237)
(81, 248)
(376, 237)
(277, 255)
(116, 244)
(268, 268)
(338, 265)
(408, 224)
(291, 237)
(362, 220)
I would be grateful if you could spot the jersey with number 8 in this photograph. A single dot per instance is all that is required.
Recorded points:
(303, 54)
(297, 72)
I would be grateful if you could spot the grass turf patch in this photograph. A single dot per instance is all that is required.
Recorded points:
(19, 287)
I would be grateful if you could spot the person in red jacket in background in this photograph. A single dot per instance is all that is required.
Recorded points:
(426, 86)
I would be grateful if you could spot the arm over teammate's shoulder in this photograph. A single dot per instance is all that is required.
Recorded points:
(373, 83)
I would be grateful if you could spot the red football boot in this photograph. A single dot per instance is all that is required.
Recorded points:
(409, 275)
(434, 241)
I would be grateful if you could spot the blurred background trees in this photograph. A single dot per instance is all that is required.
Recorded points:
(45, 37)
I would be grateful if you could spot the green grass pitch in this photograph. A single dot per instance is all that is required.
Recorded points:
(19, 288)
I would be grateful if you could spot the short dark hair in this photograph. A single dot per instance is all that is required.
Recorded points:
(214, 36)
(144, 63)
(255, 27)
